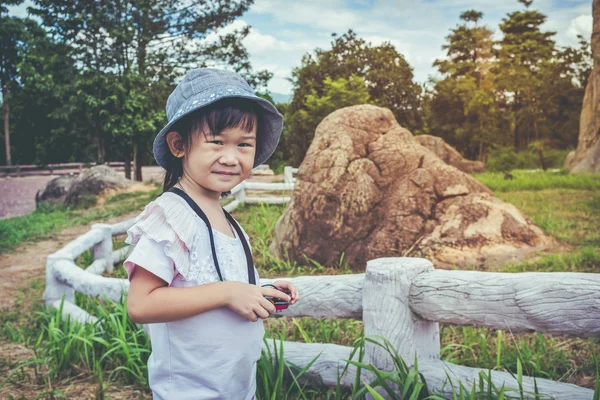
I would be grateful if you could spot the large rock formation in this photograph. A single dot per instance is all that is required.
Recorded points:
(587, 156)
(449, 154)
(368, 189)
(81, 191)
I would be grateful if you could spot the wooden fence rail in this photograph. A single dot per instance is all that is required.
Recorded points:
(400, 299)
(51, 169)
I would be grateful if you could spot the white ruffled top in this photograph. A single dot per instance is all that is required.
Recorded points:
(169, 220)
(212, 355)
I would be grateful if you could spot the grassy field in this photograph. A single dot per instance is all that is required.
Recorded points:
(565, 206)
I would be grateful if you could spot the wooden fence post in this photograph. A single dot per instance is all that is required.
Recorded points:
(387, 314)
(288, 175)
(103, 250)
(240, 195)
(56, 290)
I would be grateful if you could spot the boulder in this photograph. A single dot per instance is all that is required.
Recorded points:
(55, 190)
(81, 191)
(587, 155)
(92, 182)
(368, 189)
(449, 154)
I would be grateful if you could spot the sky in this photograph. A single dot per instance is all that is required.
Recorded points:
(282, 31)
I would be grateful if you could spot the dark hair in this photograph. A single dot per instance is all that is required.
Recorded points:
(224, 114)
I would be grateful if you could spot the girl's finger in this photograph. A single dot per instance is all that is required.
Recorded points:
(275, 293)
(267, 305)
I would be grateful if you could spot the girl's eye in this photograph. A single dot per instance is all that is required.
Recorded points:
(245, 145)
(219, 142)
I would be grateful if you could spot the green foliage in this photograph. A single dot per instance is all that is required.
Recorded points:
(463, 108)
(506, 159)
(388, 80)
(17, 37)
(520, 90)
(532, 82)
(335, 94)
(93, 85)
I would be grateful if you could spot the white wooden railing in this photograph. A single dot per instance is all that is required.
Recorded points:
(400, 299)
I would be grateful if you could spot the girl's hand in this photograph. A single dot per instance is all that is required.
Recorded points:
(285, 285)
(249, 300)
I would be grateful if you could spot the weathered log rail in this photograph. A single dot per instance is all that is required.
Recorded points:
(400, 299)
(53, 169)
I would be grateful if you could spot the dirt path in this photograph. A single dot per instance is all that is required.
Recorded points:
(28, 261)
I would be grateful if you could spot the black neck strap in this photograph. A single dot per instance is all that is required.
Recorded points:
(236, 227)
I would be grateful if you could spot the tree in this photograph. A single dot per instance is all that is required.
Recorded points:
(13, 42)
(523, 54)
(386, 75)
(44, 83)
(462, 107)
(154, 39)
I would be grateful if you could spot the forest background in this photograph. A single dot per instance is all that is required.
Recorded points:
(87, 81)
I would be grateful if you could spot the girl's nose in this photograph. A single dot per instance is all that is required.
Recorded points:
(229, 157)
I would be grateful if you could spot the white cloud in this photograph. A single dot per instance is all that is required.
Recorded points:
(330, 15)
(20, 10)
(416, 28)
(581, 25)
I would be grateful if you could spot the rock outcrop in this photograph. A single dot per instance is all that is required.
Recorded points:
(81, 191)
(449, 154)
(368, 189)
(587, 156)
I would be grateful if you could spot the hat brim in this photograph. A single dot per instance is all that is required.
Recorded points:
(269, 130)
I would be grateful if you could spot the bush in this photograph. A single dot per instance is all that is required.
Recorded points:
(507, 159)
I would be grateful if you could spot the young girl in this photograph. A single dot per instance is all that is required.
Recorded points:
(191, 271)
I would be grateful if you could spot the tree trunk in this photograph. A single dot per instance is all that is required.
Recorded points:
(481, 145)
(100, 149)
(141, 59)
(541, 156)
(127, 168)
(6, 130)
(136, 160)
(515, 126)
(138, 172)
(515, 132)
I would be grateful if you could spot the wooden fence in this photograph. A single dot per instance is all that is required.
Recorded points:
(52, 169)
(400, 299)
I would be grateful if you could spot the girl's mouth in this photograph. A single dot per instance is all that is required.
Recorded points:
(225, 173)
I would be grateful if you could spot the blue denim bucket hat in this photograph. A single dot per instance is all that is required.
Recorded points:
(203, 86)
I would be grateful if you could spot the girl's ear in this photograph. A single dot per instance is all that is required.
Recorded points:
(175, 144)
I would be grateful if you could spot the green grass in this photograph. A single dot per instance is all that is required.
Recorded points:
(538, 180)
(572, 216)
(565, 206)
(116, 350)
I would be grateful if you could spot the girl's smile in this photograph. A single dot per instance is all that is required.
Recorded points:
(217, 163)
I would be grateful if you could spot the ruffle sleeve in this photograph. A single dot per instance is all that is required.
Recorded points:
(167, 222)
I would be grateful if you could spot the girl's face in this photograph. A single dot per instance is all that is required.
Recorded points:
(216, 164)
